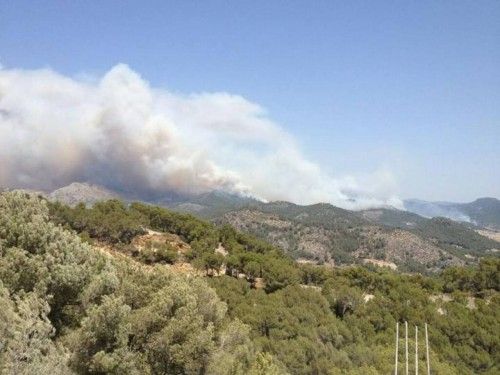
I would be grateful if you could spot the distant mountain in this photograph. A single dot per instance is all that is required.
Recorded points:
(79, 192)
(325, 233)
(445, 232)
(207, 204)
(393, 217)
(213, 204)
(483, 212)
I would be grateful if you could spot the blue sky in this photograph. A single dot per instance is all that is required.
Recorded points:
(408, 87)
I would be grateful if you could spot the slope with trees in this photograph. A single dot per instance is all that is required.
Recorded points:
(70, 307)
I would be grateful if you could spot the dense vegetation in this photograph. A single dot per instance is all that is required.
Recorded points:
(325, 233)
(68, 307)
(332, 330)
(113, 222)
(455, 237)
(338, 232)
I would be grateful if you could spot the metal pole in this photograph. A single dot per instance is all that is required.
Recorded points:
(406, 346)
(397, 347)
(416, 350)
(427, 351)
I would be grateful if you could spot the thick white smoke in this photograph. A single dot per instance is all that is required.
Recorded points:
(121, 133)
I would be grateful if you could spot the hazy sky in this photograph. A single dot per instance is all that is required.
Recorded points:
(408, 88)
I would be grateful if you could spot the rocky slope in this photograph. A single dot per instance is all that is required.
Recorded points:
(78, 192)
(325, 234)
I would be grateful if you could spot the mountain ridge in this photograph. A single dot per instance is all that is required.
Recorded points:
(324, 233)
(484, 211)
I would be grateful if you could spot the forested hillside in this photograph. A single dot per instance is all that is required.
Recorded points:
(82, 291)
(327, 234)
(323, 233)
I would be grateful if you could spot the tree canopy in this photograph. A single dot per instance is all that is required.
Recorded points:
(71, 307)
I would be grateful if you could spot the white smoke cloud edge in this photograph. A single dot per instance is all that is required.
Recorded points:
(119, 132)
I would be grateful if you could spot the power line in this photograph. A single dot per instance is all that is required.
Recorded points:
(416, 350)
(396, 354)
(406, 346)
(427, 351)
(397, 349)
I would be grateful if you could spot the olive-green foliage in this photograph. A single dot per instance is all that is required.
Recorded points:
(158, 253)
(234, 352)
(455, 237)
(67, 308)
(186, 226)
(109, 221)
(113, 221)
(484, 277)
(100, 345)
(38, 256)
(26, 345)
(265, 364)
(325, 326)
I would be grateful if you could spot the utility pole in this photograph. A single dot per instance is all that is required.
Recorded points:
(416, 350)
(427, 351)
(397, 347)
(406, 346)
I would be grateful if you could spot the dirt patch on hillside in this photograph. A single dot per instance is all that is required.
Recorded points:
(494, 235)
(381, 263)
(152, 237)
(179, 267)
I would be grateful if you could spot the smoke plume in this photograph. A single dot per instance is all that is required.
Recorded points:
(119, 132)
